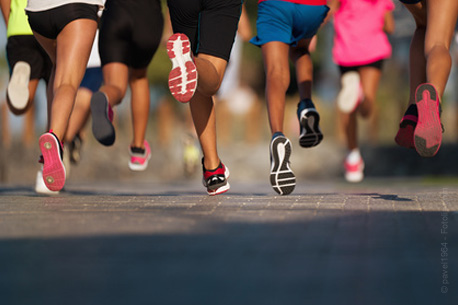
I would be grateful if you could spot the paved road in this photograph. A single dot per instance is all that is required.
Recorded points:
(329, 243)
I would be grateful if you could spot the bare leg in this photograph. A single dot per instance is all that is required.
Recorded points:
(210, 72)
(140, 105)
(115, 77)
(300, 55)
(276, 64)
(80, 113)
(70, 59)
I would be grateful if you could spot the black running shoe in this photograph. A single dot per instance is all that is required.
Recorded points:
(282, 177)
(75, 149)
(102, 118)
(309, 119)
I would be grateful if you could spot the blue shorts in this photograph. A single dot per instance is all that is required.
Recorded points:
(287, 22)
(410, 1)
(92, 79)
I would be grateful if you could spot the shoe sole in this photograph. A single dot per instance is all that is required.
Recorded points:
(40, 187)
(18, 86)
(53, 167)
(347, 99)
(282, 178)
(102, 128)
(219, 189)
(183, 76)
(311, 134)
(428, 132)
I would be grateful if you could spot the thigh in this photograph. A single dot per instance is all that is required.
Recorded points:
(370, 78)
(275, 55)
(74, 45)
(441, 21)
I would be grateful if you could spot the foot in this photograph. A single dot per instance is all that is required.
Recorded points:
(350, 95)
(74, 149)
(183, 76)
(428, 132)
(405, 134)
(354, 167)
(216, 180)
(18, 87)
(53, 166)
(309, 119)
(139, 157)
(282, 177)
(102, 119)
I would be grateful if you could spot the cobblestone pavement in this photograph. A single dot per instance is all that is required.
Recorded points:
(380, 242)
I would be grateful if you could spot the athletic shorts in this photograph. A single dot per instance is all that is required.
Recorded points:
(209, 24)
(26, 48)
(410, 1)
(130, 32)
(376, 64)
(49, 23)
(93, 78)
(287, 22)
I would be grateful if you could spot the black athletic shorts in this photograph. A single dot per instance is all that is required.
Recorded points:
(26, 48)
(376, 64)
(49, 23)
(130, 32)
(210, 25)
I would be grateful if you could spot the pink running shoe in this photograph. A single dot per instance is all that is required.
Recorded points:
(405, 136)
(53, 167)
(354, 172)
(139, 157)
(216, 180)
(183, 77)
(428, 132)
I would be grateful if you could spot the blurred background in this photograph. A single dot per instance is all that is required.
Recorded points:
(243, 134)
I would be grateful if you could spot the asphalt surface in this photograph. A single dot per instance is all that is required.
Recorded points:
(383, 241)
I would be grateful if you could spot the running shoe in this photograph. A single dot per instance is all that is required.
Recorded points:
(216, 180)
(53, 167)
(282, 177)
(183, 76)
(139, 157)
(18, 86)
(74, 149)
(102, 119)
(350, 95)
(428, 132)
(309, 119)
(40, 187)
(354, 171)
(405, 137)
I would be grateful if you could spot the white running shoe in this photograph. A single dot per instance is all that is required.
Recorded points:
(350, 94)
(354, 167)
(183, 76)
(18, 86)
(282, 178)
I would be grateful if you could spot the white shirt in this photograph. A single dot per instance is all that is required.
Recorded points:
(43, 5)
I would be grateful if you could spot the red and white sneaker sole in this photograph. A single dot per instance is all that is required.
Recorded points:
(428, 132)
(53, 167)
(183, 76)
